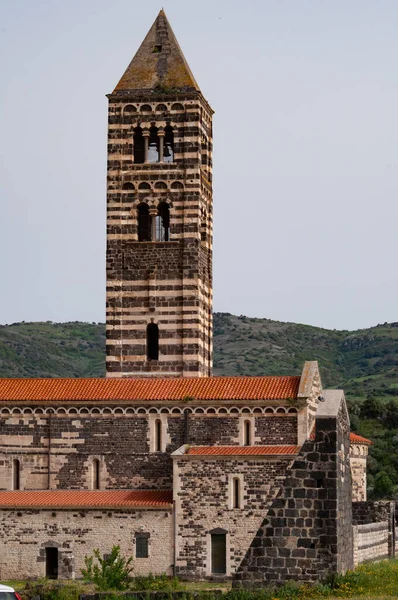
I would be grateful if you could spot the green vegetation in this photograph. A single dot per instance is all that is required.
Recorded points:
(364, 363)
(109, 572)
(377, 581)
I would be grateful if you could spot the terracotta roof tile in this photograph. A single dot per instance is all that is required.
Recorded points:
(358, 439)
(86, 499)
(99, 389)
(242, 450)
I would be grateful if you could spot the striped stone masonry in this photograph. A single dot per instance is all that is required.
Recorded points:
(370, 542)
(168, 283)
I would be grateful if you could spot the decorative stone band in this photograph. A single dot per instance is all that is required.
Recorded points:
(96, 411)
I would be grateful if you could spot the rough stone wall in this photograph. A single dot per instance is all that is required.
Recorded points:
(26, 533)
(168, 283)
(202, 490)
(358, 459)
(372, 512)
(299, 537)
(371, 542)
(122, 444)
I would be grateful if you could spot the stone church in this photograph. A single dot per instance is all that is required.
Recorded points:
(257, 479)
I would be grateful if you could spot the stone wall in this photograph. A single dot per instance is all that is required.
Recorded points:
(372, 513)
(122, 443)
(371, 542)
(300, 537)
(26, 533)
(202, 493)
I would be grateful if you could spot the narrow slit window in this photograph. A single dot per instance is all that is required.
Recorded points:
(144, 223)
(152, 341)
(236, 492)
(16, 474)
(139, 146)
(158, 435)
(247, 433)
(96, 474)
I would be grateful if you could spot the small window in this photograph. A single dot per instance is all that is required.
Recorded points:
(152, 341)
(236, 492)
(141, 547)
(158, 435)
(96, 474)
(247, 433)
(16, 475)
(157, 48)
(128, 186)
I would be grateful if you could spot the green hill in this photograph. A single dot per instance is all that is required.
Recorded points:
(363, 362)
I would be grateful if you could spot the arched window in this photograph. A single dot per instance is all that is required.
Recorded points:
(16, 475)
(247, 433)
(163, 223)
(139, 146)
(96, 483)
(168, 152)
(152, 341)
(128, 186)
(144, 223)
(158, 435)
(153, 149)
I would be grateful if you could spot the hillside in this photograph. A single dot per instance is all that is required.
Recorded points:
(363, 362)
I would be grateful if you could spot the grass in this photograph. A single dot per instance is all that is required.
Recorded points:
(370, 581)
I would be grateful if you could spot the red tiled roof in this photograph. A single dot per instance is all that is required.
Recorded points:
(358, 439)
(86, 499)
(99, 389)
(242, 450)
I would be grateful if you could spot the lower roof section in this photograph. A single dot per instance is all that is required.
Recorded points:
(237, 451)
(87, 499)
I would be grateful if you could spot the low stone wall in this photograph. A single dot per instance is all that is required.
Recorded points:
(370, 542)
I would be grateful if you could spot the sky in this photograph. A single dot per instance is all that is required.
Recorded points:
(305, 94)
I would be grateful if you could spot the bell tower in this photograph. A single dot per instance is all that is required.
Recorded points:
(159, 216)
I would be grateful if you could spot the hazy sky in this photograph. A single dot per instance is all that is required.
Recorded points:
(305, 162)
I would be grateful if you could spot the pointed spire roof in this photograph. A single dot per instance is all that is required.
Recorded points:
(159, 63)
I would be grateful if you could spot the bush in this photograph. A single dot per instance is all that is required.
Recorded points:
(155, 582)
(111, 572)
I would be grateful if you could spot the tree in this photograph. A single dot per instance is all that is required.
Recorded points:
(372, 408)
(383, 487)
